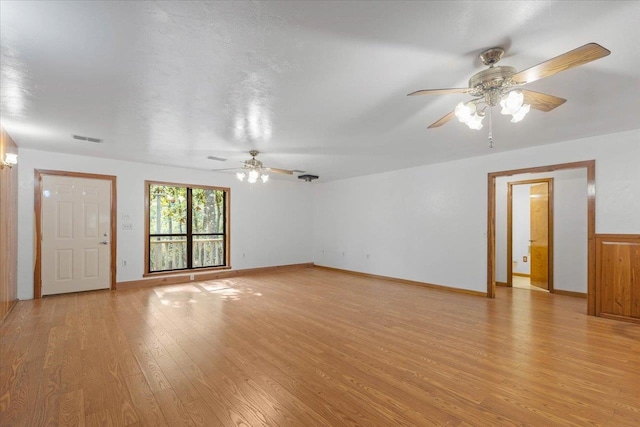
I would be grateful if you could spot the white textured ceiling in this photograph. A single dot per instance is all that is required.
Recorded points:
(315, 86)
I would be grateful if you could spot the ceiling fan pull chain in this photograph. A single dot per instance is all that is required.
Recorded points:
(490, 127)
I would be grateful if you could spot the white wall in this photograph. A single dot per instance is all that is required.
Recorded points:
(569, 222)
(429, 223)
(426, 223)
(521, 227)
(271, 224)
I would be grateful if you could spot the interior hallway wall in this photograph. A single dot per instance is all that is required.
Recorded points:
(429, 223)
(521, 226)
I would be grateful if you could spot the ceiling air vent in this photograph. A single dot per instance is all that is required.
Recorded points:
(86, 138)
(219, 159)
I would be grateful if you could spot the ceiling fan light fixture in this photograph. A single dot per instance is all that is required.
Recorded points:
(253, 176)
(512, 102)
(253, 170)
(475, 122)
(519, 115)
(464, 112)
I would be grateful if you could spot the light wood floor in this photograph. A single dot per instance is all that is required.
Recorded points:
(315, 347)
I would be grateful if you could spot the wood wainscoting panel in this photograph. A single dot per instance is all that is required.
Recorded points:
(618, 276)
(8, 228)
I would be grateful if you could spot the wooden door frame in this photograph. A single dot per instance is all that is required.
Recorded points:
(590, 165)
(549, 182)
(37, 270)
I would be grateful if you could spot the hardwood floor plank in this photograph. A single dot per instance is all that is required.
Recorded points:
(99, 419)
(177, 379)
(119, 401)
(149, 366)
(47, 406)
(72, 409)
(20, 394)
(315, 347)
(172, 408)
(201, 414)
(145, 403)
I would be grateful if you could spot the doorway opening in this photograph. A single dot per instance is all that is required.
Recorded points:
(530, 234)
(590, 167)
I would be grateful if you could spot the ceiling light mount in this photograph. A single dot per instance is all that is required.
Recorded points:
(491, 56)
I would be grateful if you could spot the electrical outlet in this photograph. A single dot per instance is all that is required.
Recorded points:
(524, 258)
(192, 277)
(124, 262)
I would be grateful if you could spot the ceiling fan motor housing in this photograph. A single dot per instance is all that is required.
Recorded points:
(492, 82)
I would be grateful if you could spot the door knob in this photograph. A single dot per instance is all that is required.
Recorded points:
(104, 243)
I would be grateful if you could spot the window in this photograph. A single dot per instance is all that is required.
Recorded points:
(187, 227)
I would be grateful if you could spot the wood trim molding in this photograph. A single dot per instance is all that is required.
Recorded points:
(591, 238)
(10, 308)
(37, 185)
(185, 278)
(186, 271)
(491, 236)
(590, 166)
(503, 284)
(619, 237)
(620, 318)
(8, 228)
(405, 281)
(570, 293)
(510, 272)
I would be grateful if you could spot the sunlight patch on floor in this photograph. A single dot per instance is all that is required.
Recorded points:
(525, 283)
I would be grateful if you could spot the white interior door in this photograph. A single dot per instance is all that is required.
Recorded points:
(76, 226)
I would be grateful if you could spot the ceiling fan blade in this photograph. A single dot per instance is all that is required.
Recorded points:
(282, 171)
(439, 91)
(227, 169)
(443, 120)
(542, 101)
(574, 58)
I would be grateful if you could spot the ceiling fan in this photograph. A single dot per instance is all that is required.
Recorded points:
(500, 85)
(253, 169)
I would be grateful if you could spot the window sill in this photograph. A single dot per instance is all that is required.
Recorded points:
(194, 271)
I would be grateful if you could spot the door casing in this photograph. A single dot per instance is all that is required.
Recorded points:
(590, 166)
(37, 271)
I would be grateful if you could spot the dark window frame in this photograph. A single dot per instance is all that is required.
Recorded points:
(226, 236)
